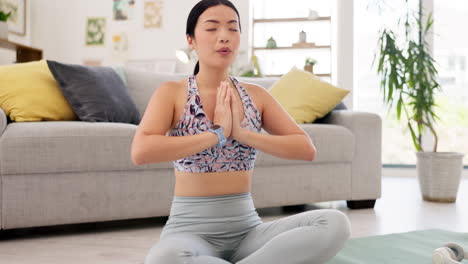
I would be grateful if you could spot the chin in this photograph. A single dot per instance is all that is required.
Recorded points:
(224, 65)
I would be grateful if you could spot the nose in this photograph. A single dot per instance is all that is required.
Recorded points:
(224, 40)
(224, 36)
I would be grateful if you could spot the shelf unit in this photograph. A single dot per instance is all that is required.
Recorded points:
(288, 20)
(316, 74)
(24, 53)
(284, 48)
(292, 19)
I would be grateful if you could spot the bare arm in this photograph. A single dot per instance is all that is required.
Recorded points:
(150, 143)
(285, 139)
(296, 147)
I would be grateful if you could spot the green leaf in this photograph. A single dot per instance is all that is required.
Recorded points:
(400, 101)
(414, 138)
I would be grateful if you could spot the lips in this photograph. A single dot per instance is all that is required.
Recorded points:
(224, 50)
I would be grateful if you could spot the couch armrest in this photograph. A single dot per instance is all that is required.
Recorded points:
(367, 161)
(3, 121)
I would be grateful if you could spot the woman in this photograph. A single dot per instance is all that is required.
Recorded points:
(209, 126)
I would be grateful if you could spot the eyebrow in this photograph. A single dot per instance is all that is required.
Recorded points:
(217, 22)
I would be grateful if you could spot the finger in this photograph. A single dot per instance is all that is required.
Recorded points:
(227, 97)
(228, 92)
(234, 98)
(223, 91)
(228, 102)
(218, 95)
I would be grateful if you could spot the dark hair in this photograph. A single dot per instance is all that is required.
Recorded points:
(195, 13)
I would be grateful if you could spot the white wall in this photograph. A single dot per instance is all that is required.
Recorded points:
(343, 50)
(58, 27)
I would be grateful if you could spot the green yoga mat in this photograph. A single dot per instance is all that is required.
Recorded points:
(409, 248)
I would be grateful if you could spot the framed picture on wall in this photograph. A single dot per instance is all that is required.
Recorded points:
(95, 31)
(17, 20)
(153, 13)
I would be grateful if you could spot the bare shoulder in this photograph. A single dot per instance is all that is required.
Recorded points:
(172, 85)
(159, 112)
(257, 92)
(171, 90)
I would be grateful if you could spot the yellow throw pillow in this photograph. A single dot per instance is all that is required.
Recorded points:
(304, 96)
(29, 92)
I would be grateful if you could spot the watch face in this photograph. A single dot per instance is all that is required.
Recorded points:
(215, 127)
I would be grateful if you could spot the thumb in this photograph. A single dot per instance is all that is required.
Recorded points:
(233, 98)
(233, 101)
(234, 108)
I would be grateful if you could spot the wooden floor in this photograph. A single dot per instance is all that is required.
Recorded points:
(400, 209)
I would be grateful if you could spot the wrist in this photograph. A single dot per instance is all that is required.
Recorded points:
(243, 135)
(218, 130)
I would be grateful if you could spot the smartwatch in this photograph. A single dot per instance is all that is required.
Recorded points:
(218, 130)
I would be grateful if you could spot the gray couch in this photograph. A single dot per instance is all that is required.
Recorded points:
(74, 172)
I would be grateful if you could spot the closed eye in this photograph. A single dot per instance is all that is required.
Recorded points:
(213, 29)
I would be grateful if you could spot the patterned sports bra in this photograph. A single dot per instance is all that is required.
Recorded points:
(233, 156)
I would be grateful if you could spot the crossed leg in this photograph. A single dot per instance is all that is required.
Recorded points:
(183, 248)
(305, 238)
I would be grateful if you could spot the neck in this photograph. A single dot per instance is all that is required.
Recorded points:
(210, 78)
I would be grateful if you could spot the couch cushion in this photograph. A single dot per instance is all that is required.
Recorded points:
(68, 146)
(29, 92)
(142, 84)
(74, 146)
(96, 93)
(304, 96)
(322, 120)
(334, 144)
(268, 82)
(265, 82)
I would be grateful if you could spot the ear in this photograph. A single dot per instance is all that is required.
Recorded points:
(190, 42)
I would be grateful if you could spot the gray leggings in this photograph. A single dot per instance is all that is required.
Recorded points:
(227, 229)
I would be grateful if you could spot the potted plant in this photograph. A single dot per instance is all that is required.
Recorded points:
(409, 82)
(3, 24)
(309, 65)
(271, 43)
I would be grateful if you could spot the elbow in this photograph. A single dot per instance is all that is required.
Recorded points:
(136, 155)
(136, 159)
(311, 154)
(311, 151)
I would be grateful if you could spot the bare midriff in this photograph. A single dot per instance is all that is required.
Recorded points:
(212, 183)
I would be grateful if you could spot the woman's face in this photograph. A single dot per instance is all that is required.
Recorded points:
(217, 28)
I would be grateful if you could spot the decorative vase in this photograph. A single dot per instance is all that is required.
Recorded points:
(271, 43)
(309, 68)
(312, 14)
(439, 175)
(302, 37)
(3, 30)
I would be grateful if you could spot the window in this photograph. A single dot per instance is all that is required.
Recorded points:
(369, 18)
(450, 53)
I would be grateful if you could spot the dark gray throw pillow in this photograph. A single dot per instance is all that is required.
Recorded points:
(96, 93)
(340, 106)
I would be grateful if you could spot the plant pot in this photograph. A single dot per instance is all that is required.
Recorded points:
(309, 68)
(3, 30)
(439, 175)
